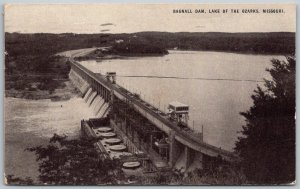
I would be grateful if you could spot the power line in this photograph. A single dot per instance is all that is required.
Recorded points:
(194, 78)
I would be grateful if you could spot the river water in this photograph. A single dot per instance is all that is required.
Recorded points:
(215, 104)
(30, 123)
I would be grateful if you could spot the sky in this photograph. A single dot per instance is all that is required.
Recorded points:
(129, 18)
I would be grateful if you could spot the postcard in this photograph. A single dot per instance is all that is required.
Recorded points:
(150, 94)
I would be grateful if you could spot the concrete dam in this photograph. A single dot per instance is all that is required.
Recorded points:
(142, 127)
(99, 106)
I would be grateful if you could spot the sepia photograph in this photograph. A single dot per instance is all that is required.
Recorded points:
(149, 94)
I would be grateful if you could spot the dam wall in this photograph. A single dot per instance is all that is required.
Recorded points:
(79, 82)
(167, 143)
(94, 100)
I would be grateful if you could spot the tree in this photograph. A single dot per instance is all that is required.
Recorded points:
(74, 162)
(267, 147)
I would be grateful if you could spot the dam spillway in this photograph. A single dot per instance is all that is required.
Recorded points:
(93, 100)
(185, 148)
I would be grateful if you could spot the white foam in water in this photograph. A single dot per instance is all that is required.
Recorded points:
(97, 103)
(94, 102)
(85, 87)
(44, 117)
(100, 107)
(102, 110)
(87, 94)
(91, 98)
(106, 111)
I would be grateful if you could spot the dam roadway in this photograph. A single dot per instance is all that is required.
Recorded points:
(191, 140)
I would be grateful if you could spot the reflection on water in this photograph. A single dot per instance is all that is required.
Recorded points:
(31, 123)
(214, 104)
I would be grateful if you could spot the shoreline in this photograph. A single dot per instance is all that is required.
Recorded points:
(231, 52)
(60, 94)
(126, 56)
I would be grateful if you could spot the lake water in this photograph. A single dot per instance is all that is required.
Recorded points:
(30, 123)
(215, 104)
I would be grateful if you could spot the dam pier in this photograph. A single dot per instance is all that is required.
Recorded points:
(133, 130)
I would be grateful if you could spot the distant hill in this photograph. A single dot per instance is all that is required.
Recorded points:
(259, 43)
